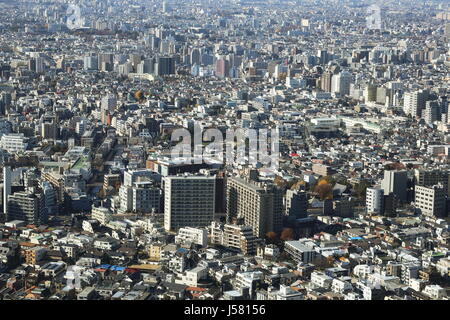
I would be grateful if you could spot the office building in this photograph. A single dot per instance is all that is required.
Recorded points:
(14, 142)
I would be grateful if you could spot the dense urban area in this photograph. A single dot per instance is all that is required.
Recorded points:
(94, 206)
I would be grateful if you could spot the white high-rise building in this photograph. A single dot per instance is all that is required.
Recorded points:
(374, 200)
(6, 187)
(414, 102)
(431, 200)
(189, 201)
(341, 83)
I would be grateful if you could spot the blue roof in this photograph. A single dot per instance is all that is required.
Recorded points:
(104, 266)
(117, 268)
(356, 238)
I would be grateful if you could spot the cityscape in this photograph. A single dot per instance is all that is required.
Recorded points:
(224, 150)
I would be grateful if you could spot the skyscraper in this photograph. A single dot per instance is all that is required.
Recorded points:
(414, 102)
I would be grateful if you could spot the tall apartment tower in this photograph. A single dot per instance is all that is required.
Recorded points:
(374, 200)
(432, 112)
(325, 81)
(341, 83)
(108, 105)
(28, 206)
(395, 182)
(260, 206)
(222, 68)
(431, 200)
(414, 102)
(189, 201)
(447, 30)
(6, 187)
(296, 204)
(165, 66)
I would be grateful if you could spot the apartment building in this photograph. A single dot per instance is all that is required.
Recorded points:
(431, 201)
(259, 205)
(189, 201)
(192, 235)
(234, 236)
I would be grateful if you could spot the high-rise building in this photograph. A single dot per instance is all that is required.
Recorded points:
(166, 7)
(106, 62)
(28, 206)
(195, 56)
(447, 30)
(222, 68)
(431, 201)
(370, 93)
(432, 112)
(259, 205)
(142, 196)
(414, 102)
(325, 81)
(323, 56)
(49, 128)
(375, 200)
(165, 66)
(6, 187)
(189, 201)
(14, 142)
(108, 105)
(341, 83)
(296, 204)
(91, 62)
(395, 182)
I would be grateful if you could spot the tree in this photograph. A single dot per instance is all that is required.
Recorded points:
(139, 95)
(280, 182)
(287, 234)
(271, 237)
(324, 189)
(298, 184)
